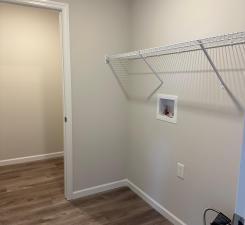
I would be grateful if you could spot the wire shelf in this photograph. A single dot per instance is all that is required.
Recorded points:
(219, 55)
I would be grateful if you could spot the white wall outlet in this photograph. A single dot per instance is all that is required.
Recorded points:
(180, 170)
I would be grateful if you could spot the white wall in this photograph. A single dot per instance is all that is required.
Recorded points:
(99, 111)
(208, 135)
(30, 82)
(240, 210)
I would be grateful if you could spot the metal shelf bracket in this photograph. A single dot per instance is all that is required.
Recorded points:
(222, 82)
(154, 72)
(107, 61)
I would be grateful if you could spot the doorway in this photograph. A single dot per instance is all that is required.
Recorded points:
(36, 87)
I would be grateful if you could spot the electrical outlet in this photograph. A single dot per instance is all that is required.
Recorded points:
(180, 170)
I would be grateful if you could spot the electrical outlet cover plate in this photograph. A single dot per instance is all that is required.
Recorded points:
(180, 170)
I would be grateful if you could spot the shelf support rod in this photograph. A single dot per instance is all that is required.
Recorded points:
(223, 84)
(154, 72)
(107, 61)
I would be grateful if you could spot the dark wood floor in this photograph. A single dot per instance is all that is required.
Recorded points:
(32, 194)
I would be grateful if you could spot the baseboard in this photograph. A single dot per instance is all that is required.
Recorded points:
(99, 189)
(154, 204)
(30, 158)
(126, 183)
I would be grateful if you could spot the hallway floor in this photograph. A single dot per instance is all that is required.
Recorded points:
(32, 194)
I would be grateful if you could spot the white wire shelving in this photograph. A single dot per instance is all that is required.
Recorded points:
(221, 53)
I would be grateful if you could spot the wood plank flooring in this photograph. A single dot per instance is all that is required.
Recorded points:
(32, 194)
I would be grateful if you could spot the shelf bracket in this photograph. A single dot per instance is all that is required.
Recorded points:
(107, 61)
(154, 72)
(223, 84)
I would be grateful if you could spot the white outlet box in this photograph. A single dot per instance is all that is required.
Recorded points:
(180, 170)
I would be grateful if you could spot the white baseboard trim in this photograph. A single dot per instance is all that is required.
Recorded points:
(30, 158)
(99, 189)
(126, 183)
(154, 204)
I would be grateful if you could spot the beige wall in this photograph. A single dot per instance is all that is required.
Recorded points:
(99, 106)
(30, 82)
(208, 135)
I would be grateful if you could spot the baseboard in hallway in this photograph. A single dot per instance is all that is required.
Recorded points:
(33, 158)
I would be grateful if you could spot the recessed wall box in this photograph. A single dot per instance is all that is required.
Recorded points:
(167, 108)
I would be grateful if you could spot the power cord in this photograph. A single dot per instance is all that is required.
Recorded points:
(205, 214)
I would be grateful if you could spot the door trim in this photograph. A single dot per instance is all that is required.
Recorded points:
(63, 8)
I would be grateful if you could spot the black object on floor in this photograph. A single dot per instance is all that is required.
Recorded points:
(221, 219)
(238, 220)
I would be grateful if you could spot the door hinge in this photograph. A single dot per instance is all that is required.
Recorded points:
(65, 119)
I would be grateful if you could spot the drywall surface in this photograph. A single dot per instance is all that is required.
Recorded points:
(30, 82)
(241, 189)
(99, 106)
(208, 135)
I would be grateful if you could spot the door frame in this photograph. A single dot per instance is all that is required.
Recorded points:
(63, 9)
